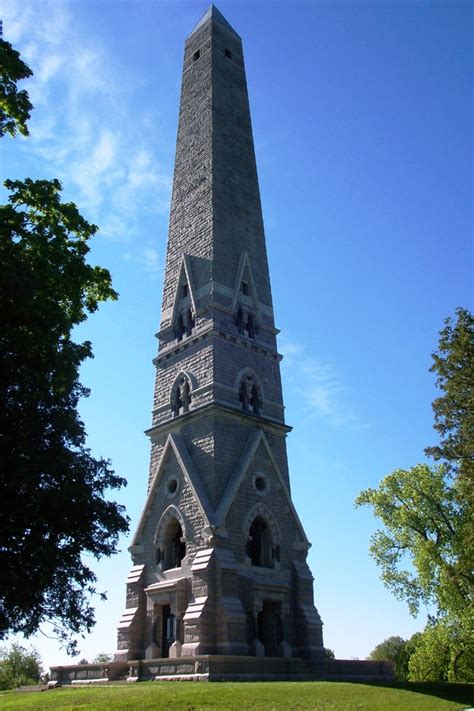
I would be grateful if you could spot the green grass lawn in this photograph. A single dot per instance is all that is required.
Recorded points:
(287, 696)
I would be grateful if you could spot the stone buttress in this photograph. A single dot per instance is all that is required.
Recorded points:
(219, 555)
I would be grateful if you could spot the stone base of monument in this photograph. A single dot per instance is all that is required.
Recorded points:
(80, 674)
(224, 668)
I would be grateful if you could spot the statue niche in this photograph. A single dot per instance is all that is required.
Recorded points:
(181, 395)
(170, 541)
(250, 394)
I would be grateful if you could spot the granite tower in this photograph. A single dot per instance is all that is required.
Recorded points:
(219, 555)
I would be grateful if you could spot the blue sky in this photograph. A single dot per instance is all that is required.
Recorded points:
(362, 117)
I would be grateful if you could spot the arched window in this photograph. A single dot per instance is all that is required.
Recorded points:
(250, 395)
(259, 544)
(173, 547)
(181, 396)
(262, 537)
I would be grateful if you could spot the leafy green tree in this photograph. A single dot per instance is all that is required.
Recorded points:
(425, 550)
(445, 652)
(102, 658)
(19, 667)
(423, 520)
(53, 509)
(15, 105)
(454, 409)
(394, 649)
(454, 420)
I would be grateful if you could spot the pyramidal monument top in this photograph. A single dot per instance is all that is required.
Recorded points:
(212, 13)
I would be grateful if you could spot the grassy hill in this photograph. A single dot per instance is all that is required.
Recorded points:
(280, 696)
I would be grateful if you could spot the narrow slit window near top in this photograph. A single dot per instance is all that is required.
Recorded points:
(228, 53)
(196, 55)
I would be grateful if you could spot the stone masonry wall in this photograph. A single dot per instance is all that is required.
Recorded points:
(216, 246)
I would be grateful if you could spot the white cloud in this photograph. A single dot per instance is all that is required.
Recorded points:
(149, 259)
(85, 126)
(49, 67)
(320, 386)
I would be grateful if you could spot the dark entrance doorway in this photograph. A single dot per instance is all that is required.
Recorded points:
(269, 627)
(168, 630)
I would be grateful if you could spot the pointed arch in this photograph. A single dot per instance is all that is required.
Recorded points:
(172, 512)
(244, 272)
(181, 393)
(256, 439)
(170, 539)
(251, 373)
(249, 390)
(260, 510)
(245, 305)
(184, 305)
(262, 537)
(175, 446)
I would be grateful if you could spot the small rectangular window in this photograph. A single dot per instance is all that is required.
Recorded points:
(245, 288)
(228, 53)
(184, 291)
(196, 55)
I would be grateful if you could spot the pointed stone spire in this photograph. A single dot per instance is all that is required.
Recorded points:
(216, 217)
(212, 13)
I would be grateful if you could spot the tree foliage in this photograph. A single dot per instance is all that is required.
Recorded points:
(454, 420)
(454, 409)
(419, 548)
(102, 658)
(425, 550)
(19, 667)
(15, 105)
(53, 508)
(444, 652)
(395, 649)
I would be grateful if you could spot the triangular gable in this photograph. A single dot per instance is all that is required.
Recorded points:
(256, 439)
(185, 277)
(244, 272)
(175, 443)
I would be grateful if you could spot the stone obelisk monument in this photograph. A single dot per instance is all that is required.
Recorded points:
(219, 555)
